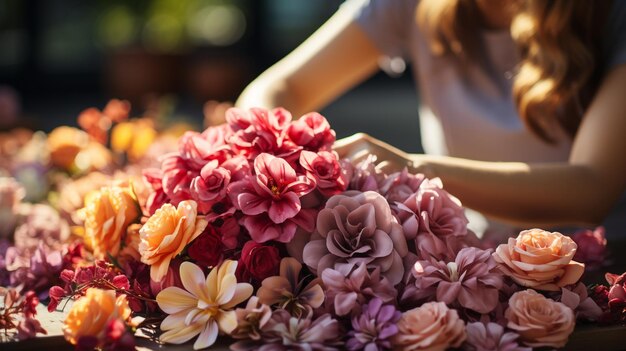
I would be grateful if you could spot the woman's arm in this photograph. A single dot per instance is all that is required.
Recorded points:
(579, 191)
(336, 57)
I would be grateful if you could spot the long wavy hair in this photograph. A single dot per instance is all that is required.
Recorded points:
(559, 44)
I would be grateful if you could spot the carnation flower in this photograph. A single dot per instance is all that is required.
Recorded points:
(374, 328)
(258, 131)
(591, 247)
(349, 294)
(285, 332)
(166, 234)
(107, 213)
(491, 337)
(364, 176)
(11, 194)
(471, 281)
(538, 320)
(90, 315)
(289, 292)
(205, 307)
(540, 260)
(433, 326)
(357, 228)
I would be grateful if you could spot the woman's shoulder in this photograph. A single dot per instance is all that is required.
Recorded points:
(386, 22)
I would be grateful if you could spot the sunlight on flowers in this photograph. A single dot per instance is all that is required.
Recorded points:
(91, 314)
(107, 213)
(205, 307)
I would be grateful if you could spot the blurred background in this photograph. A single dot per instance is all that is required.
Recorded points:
(58, 57)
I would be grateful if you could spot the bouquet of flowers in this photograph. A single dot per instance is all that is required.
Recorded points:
(258, 233)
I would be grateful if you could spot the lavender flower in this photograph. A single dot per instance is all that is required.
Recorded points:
(491, 336)
(374, 328)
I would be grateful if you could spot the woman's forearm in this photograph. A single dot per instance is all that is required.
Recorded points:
(524, 194)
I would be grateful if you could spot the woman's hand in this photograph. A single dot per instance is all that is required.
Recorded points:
(359, 146)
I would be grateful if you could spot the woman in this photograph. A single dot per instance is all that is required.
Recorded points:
(523, 102)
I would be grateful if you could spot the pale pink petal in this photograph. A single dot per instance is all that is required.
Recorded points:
(193, 279)
(207, 337)
(227, 321)
(173, 300)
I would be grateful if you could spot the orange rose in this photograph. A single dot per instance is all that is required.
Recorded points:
(539, 259)
(166, 234)
(107, 214)
(539, 321)
(91, 313)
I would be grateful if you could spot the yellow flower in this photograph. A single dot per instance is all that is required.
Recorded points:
(166, 234)
(91, 313)
(133, 137)
(205, 308)
(107, 213)
(64, 144)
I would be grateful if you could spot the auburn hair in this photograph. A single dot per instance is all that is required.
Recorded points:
(559, 45)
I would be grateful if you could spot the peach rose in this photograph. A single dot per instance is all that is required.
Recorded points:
(539, 259)
(432, 326)
(166, 234)
(91, 313)
(107, 214)
(538, 320)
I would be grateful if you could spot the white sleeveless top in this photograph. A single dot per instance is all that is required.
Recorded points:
(469, 111)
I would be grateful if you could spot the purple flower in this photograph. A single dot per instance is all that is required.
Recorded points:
(591, 248)
(350, 293)
(364, 176)
(373, 329)
(399, 186)
(470, 281)
(285, 332)
(357, 228)
(577, 298)
(37, 272)
(491, 337)
(40, 224)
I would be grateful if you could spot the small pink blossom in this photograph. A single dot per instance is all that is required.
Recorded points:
(591, 247)
(312, 132)
(324, 169)
(399, 186)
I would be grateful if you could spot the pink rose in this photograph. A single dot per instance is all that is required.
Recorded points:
(433, 327)
(324, 169)
(539, 259)
(538, 320)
